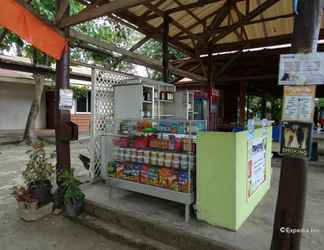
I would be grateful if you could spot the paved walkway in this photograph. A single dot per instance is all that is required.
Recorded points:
(50, 233)
(254, 234)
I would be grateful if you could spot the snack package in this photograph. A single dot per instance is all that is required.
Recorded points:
(127, 172)
(136, 172)
(111, 169)
(185, 185)
(144, 174)
(167, 178)
(120, 170)
(153, 176)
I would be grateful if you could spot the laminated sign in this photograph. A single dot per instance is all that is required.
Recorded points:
(301, 69)
(256, 164)
(296, 139)
(66, 99)
(298, 103)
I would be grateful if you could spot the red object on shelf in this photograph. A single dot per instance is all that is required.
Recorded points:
(31, 28)
(140, 142)
(122, 142)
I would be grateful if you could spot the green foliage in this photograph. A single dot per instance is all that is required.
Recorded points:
(39, 167)
(80, 91)
(71, 186)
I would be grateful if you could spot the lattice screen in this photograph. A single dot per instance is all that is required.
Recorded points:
(102, 109)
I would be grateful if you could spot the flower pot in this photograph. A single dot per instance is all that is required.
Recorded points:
(29, 211)
(41, 191)
(73, 209)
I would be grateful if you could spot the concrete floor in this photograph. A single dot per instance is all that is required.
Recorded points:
(256, 232)
(51, 233)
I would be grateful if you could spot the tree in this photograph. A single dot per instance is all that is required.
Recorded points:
(103, 29)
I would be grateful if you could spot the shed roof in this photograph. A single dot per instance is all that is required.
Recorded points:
(218, 24)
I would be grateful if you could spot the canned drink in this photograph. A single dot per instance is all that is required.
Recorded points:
(161, 158)
(146, 156)
(140, 155)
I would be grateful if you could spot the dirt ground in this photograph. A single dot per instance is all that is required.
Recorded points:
(53, 232)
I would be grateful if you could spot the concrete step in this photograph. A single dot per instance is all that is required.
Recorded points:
(165, 233)
(117, 233)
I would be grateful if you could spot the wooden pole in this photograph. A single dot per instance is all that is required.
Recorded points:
(243, 86)
(165, 48)
(293, 179)
(62, 117)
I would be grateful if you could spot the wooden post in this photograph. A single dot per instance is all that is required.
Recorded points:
(292, 187)
(165, 48)
(242, 102)
(63, 117)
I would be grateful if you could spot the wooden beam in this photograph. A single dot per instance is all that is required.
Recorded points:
(221, 29)
(218, 19)
(165, 48)
(174, 22)
(61, 10)
(102, 10)
(257, 11)
(136, 58)
(133, 48)
(37, 68)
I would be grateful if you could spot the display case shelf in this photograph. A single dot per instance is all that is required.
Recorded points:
(163, 193)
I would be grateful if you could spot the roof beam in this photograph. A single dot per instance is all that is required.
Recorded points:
(135, 58)
(37, 68)
(223, 28)
(61, 10)
(91, 13)
(260, 9)
(132, 49)
(172, 21)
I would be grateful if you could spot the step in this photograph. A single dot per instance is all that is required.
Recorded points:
(117, 233)
(156, 230)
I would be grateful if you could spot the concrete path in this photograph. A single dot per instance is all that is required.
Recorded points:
(50, 233)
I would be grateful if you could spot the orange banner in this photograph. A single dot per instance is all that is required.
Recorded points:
(31, 28)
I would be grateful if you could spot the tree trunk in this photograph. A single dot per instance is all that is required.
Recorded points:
(30, 135)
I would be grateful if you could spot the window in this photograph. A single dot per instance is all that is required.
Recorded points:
(83, 104)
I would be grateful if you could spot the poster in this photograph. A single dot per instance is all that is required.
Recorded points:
(301, 69)
(66, 99)
(256, 164)
(299, 102)
(296, 139)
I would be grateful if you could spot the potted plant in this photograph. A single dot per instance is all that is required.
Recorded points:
(39, 174)
(35, 200)
(73, 196)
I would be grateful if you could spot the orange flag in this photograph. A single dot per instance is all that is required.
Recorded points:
(31, 28)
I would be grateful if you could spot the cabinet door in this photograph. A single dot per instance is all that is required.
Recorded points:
(128, 102)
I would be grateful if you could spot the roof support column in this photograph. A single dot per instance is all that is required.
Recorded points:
(62, 117)
(165, 48)
(292, 186)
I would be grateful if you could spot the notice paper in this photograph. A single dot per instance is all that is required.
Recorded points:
(298, 103)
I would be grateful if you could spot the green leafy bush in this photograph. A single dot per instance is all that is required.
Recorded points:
(39, 168)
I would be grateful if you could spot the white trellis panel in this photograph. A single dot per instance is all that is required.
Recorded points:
(102, 109)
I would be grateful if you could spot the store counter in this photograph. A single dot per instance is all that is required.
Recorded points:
(233, 175)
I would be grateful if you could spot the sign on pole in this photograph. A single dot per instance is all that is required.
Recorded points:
(301, 69)
(296, 139)
(298, 104)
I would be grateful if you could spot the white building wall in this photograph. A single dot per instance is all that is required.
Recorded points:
(15, 102)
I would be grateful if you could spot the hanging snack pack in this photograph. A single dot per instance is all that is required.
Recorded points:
(144, 174)
(153, 176)
(185, 185)
(167, 178)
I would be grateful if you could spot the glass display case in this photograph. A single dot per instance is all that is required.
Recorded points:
(153, 157)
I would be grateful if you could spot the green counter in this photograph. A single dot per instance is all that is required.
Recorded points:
(228, 188)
